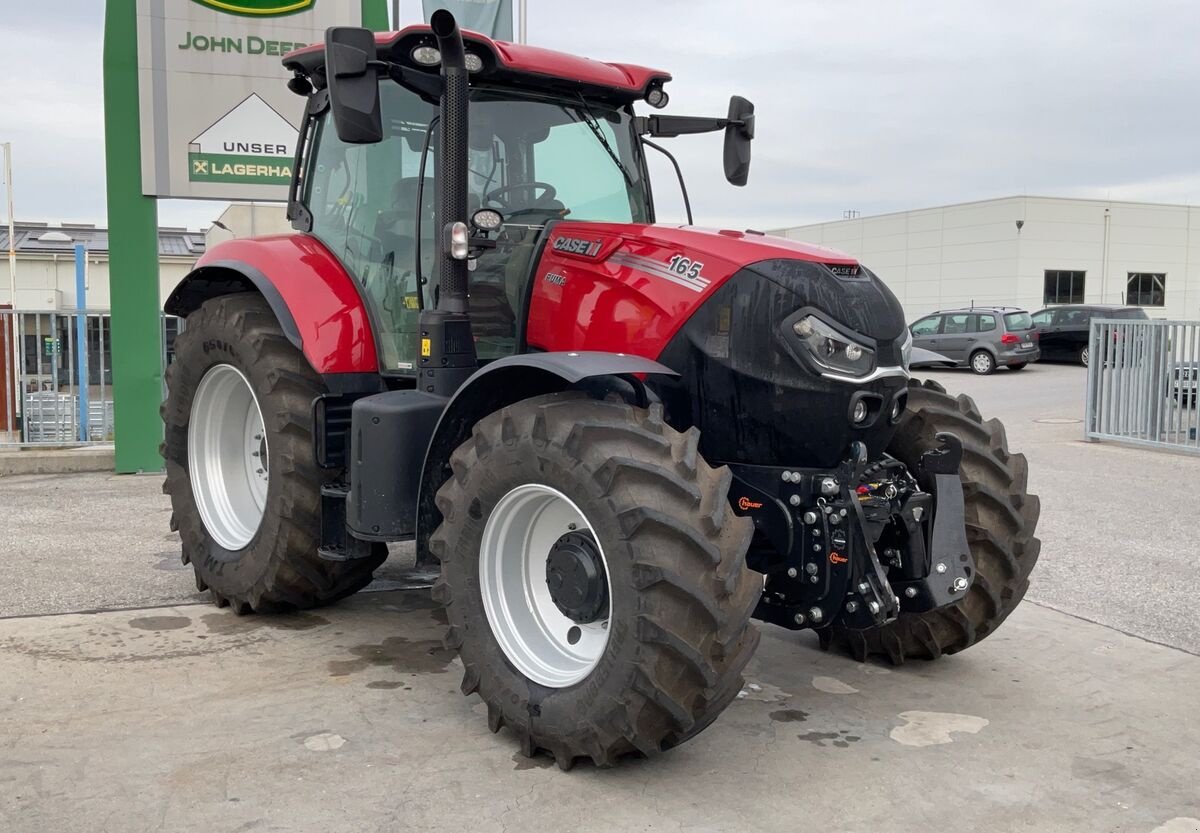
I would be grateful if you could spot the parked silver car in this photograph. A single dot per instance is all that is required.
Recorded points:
(981, 338)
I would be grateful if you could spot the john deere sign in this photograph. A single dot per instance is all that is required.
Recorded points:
(258, 8)
(217, 119)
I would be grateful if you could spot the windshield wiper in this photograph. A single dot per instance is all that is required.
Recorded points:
(590, 120)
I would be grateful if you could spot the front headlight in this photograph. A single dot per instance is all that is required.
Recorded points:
(906, 348)
(832, 350)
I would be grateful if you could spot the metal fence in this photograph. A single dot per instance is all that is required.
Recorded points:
(1142, 378)
(56, 375)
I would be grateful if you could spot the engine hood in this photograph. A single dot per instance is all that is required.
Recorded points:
(733, 249)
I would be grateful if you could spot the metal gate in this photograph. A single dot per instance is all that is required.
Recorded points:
(56, 369)
(1142, 378)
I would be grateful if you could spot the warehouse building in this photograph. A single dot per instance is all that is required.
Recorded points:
(1029, 252)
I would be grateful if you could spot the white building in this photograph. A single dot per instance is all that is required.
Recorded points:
(1028, 252)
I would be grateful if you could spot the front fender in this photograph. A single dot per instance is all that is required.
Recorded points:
(317, 302)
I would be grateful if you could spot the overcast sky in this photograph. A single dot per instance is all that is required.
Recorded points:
(872, 105)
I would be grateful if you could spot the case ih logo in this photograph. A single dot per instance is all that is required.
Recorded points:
(843, 270)
(575, 246)
(258, 8)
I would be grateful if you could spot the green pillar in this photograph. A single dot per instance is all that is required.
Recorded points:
(375, 15)
(133, 254)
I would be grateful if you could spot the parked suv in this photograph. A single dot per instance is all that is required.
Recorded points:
(981, 338)
(1063, 331)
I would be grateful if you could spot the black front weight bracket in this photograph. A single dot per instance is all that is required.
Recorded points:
(948, 567)
(823, 567)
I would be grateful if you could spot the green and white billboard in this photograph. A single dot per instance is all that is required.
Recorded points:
(217, 119)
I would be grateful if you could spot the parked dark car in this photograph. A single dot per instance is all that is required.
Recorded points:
(981, 338)
(1063, 331)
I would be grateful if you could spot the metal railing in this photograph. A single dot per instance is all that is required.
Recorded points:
(57, 388)
(1142, 379)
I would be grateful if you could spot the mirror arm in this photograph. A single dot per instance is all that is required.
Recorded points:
(671, 126)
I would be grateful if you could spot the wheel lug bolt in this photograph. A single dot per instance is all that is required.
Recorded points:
(810, 517)
(873, 606)
(794, 500)
(941, 568)
(851, 607)
(791, 572)
(810, 568)
(816, 614)
(798, 618)
(911, 592)
(960, 584)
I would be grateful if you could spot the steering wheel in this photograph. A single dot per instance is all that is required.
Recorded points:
(500, 194)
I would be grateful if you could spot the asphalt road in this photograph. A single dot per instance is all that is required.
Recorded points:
(1117, 523)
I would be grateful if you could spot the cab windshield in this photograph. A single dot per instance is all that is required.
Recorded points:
(534, 158)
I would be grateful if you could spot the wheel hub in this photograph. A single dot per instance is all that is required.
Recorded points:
(545, 586)
(228, 457)
(576, 579)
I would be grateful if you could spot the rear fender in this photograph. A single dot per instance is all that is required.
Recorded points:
(509, 380)
(316, 301)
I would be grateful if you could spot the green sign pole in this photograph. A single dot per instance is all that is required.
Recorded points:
(133, 240)
(375, 15)
(133, 254)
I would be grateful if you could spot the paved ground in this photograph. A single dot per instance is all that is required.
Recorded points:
(192, 719)
(182, 717)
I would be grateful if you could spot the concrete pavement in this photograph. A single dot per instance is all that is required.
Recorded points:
(349, 719)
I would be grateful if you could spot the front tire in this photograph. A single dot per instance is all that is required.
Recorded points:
(1001, 518)
(676, 621)
(244, 485)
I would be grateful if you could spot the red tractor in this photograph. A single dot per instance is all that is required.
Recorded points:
(620, 440)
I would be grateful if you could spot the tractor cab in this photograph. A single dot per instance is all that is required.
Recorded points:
(533, 159)
(550, 137)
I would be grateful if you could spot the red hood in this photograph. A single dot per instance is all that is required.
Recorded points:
(730, 249)
(740, 247)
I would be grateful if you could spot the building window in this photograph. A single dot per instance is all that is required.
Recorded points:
(1146, 289)
(1063, 287)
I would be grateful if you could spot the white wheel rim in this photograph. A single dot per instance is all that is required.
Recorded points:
(227, 457)
(982, 362)
(533, 633)
(1084, 356)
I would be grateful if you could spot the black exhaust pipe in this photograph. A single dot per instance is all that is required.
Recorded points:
(452, 170)
(447, 345)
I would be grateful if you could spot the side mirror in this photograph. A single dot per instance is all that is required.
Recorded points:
(737, 140)
(353, 84)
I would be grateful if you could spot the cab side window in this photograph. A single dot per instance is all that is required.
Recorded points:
(364, 203)
(927, 326)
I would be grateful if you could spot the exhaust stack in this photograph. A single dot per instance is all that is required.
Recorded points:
(452, 170)
(447, 345)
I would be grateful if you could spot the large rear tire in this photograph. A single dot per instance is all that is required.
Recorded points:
(240, 394)
(667, 646)
(1001, 517)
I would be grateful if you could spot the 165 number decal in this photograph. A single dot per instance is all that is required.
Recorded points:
(685, 266)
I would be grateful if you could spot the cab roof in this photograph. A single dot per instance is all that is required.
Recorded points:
(505, 63)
